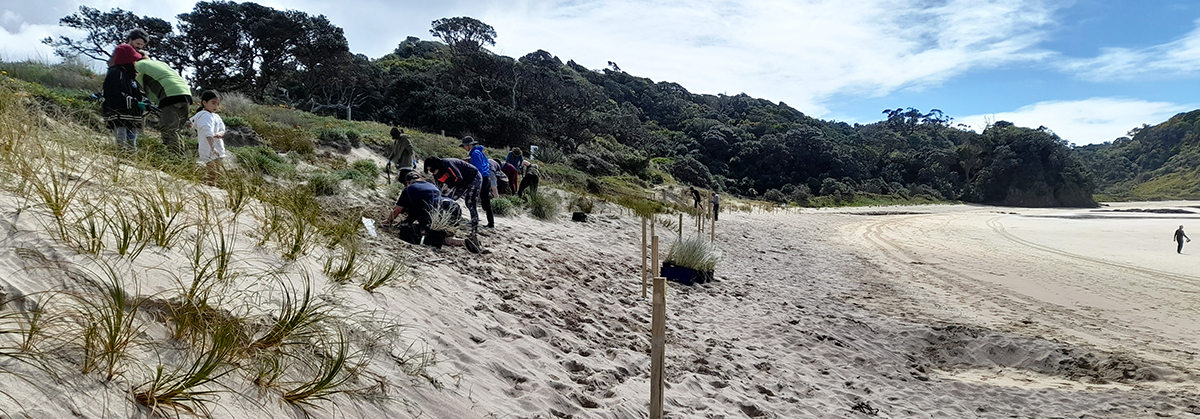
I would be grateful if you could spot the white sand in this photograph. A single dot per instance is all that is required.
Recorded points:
(959, 311)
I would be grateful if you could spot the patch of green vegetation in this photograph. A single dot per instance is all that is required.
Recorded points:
(1175, 185)
(264, 160)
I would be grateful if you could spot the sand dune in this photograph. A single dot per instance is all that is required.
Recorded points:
(936, 311)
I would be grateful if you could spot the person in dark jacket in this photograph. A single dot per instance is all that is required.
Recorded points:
(124, 106)
(171, 93)
(415, 201)
(1180, 236)
(463, 180)
(512, 167)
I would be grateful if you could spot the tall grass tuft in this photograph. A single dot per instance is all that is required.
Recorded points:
(55, 188)
(128, 229)
(695, 253)
(239, 189)
(543, 206)
(444, 219)
(87, 233)
(300, 224)
(183, 389)
(503, 207)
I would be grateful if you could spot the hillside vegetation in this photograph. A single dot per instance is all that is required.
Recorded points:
(604, 123)
(1152, 163)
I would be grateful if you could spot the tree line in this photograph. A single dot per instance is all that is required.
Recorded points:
(603, 122)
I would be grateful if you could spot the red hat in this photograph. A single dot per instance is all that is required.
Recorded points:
(125, 54)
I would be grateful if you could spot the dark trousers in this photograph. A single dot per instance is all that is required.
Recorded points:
(171, 120)
(530, 183)
(1180, 248)
(716, 211)
(485, 198)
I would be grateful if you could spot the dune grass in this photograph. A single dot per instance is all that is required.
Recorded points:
(109, 321)
(299, 317)
(186, 389)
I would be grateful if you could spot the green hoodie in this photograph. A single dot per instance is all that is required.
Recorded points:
(161, 81)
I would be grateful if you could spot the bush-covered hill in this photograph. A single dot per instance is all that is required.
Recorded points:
(1152, 162)
(604, 123)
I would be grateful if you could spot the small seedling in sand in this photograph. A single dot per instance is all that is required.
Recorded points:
(340, 268)
(108, 315)
(382, 273)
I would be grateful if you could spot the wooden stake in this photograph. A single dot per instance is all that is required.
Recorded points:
(645, 276)
(654, 255)
(681, 226)
(658, 341)
(712, 230)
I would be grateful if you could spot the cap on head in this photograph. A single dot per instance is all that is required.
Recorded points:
(411, 176)
(125, 54)
(466, 141)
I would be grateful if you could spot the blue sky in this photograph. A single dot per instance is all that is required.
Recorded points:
(1089, 70)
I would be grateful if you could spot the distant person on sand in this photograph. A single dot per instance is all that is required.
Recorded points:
(463, 180)
(716, 201)
(695, 198)
(1180, 237)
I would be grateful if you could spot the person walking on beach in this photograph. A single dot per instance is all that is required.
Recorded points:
(1180, 237)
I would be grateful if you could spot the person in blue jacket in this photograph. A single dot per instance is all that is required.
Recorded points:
(481, 163)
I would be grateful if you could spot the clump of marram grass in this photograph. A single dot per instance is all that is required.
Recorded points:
(341, 267)
(695, 253)
(299, 221)
(444, 219)
(324, 184)
(299, 316)
(543, 206)
(503, 207)
(329, 375)
(107, 315)
(184, 389)
(163, 208)
(582, 204)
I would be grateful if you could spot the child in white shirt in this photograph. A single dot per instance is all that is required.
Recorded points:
(210, 133)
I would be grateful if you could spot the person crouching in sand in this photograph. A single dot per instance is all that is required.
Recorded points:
(1180, 237)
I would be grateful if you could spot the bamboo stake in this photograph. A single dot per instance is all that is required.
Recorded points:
(712, 230)
(645, 276)
(654, 255)
(681, 226)
(658, 340)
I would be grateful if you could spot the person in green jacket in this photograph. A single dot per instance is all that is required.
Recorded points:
(171, 93)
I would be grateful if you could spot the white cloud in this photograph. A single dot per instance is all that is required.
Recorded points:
(799, 52)
(1175, 58)
(1087, 121)
(26, 42)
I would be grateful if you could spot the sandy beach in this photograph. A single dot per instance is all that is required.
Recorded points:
(902, 312)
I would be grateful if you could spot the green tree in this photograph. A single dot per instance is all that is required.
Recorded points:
(104, 31)
(463, 34)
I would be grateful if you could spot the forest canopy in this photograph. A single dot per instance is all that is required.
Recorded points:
(603, 122)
